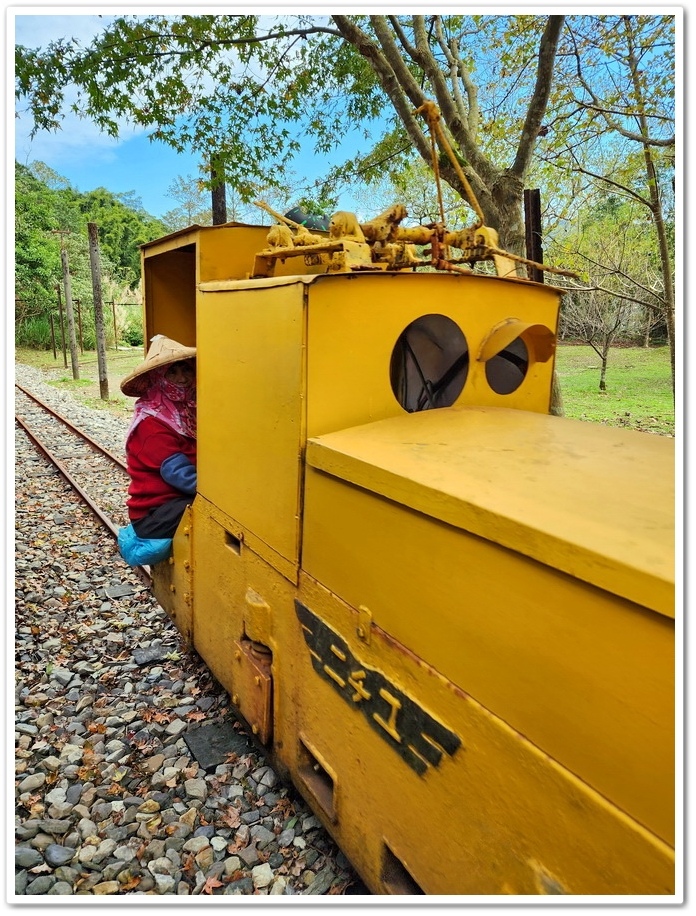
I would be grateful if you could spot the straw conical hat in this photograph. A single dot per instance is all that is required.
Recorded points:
(163, 351)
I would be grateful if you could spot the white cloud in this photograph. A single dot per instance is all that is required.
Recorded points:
(34, 29)
(78, 139)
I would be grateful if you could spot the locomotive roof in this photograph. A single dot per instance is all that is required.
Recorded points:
(567, 493)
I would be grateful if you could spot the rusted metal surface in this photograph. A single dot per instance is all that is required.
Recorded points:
(78, 432)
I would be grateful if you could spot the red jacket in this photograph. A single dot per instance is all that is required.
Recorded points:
(151, 443)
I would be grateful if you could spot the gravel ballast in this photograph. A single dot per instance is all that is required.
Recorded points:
(110, 799)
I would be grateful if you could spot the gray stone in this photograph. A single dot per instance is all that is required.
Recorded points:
(41, 885)
(21, 880)
(26, 857)
(196, 788)
(62, 888)
(67, 873)
(262, 836)
(211, 744)
(62, 675)
(249, 855)
(286, 837)
(165, 883)
(196, 843)
(31, 783)
(56, 855)
(118, 591)
(243, 886)
(322, 882)
(176, 727)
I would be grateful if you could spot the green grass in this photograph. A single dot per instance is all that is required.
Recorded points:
(638, 393)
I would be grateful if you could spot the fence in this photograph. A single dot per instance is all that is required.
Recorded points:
(27, 313)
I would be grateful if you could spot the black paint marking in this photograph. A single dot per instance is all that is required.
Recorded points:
(419, 739)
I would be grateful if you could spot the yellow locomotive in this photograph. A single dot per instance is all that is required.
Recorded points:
(446, 614)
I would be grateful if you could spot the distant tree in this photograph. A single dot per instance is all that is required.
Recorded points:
(37, 248)
(619, 97)
(49, 216)
(193, 203)
(122, 231)
(610, 248)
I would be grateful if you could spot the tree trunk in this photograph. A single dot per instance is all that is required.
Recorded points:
(93, 234)
(218, 190)
(655, 206)
(556, 406)
(603, 371)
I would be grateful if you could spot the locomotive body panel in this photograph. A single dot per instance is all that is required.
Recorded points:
(348, 378)
(584, 675)
(518, 821)
(276, 371)
(251, 412)
(578, 499)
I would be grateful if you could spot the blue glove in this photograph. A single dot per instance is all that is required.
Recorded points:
(179, 472)
(142, 551)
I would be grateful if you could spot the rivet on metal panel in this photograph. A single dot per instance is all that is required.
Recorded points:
(235, 699)
(172, 588)
(364, 624)
(255, 729)
(187, 531)
(257, 681)
(171, 561)
(238, 655)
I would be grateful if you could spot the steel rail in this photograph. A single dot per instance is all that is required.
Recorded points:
(142, 571)
(79, 432)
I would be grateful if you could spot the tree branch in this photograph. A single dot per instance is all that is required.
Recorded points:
(540, 95)
(387, 80)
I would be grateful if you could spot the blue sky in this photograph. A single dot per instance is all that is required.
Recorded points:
(90, 159)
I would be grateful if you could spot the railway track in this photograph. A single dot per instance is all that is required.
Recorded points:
(130, 682)
(97, 474)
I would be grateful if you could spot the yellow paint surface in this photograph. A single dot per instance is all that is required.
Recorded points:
(497, 817)
(590, 500)
(250, 411)
(585, 675)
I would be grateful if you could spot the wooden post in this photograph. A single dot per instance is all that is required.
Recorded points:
(79, 325)
(62, 332)
(93, 234)
(53, 335)
(69, 312)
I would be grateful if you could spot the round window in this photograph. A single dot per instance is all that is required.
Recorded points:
(506, 370)
(429, 363)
